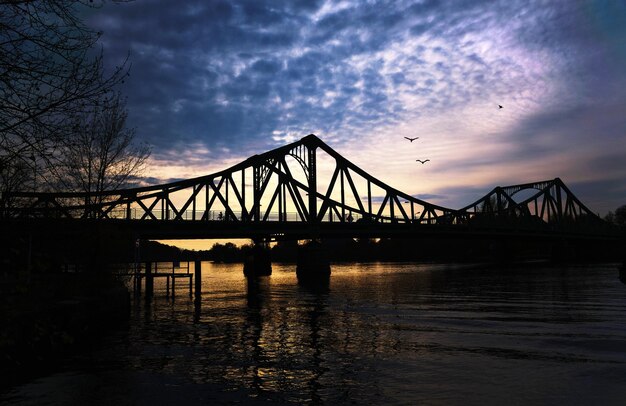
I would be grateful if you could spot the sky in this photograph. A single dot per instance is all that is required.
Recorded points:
(214, 82)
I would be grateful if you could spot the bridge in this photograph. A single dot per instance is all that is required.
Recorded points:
(304, 190)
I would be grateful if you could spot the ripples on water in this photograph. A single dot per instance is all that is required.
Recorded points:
(380, 333)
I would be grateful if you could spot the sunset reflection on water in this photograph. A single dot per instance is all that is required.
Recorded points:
(379, 333)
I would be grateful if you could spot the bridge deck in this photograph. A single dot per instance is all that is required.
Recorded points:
(279, 230)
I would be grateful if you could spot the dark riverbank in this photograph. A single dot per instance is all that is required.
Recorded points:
(52, 315)
(421, 250)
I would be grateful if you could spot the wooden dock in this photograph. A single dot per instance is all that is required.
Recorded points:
(144, 277)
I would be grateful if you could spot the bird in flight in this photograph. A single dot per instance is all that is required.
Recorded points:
(422, 161)
(411, 139)
(499, 105)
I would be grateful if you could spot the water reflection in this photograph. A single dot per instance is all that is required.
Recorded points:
(282, 340)
(315, 286)
(375, 334)
(252, 344)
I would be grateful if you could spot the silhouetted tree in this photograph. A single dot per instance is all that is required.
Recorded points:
(620, 216)
(491, 205)
(228, 252)
(102, 154)
(48, 73)
(12, 176)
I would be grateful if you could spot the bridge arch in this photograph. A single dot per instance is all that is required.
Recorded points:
(552, 202)
(268, 187)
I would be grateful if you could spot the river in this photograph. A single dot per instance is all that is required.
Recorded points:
(379, 333)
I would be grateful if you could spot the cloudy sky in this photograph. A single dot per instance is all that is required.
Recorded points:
(214, 82)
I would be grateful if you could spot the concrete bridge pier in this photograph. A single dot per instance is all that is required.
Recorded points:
(258, 262)
(312, 264)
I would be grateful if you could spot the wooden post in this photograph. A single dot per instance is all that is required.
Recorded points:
(167, 286)
(149, 280)
(173, 287)
(190, 285)
(198, 276)
(138, 280)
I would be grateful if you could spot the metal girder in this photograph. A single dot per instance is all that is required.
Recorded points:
(552, 203)
(278, 190)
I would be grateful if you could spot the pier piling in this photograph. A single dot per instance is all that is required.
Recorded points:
(198, 275)
(138, 280)
(149, 280)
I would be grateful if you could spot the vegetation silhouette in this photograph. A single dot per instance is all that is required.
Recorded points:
(400, 249)
(618, 217)
(52, 75)
(62, 128)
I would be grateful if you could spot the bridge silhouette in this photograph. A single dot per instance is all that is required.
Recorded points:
(305, 190)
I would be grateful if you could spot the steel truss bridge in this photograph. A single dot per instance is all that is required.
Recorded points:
(305, 190)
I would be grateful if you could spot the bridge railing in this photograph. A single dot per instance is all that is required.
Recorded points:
(494, 221)
(99, 212)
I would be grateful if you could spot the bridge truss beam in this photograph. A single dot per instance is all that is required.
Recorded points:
(289, 185)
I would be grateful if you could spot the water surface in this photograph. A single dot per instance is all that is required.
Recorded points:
(379, 333)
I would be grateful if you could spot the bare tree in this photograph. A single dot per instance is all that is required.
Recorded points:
(48, 72)
(620, 216)
(12, 176)
(491, 205)
(102, 155)
(610, 217)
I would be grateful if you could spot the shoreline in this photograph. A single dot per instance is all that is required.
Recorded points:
(54, 316)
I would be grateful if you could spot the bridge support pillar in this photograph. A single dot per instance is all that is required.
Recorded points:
(197, 271)
(258, 262)
(312, 264)
(149, 281)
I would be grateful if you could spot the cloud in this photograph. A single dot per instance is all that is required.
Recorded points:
(601, 196)
(428, 196)
(233, 79)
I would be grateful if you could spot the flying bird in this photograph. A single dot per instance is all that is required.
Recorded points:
(411, 139)
(422, 162)
(499, 105)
